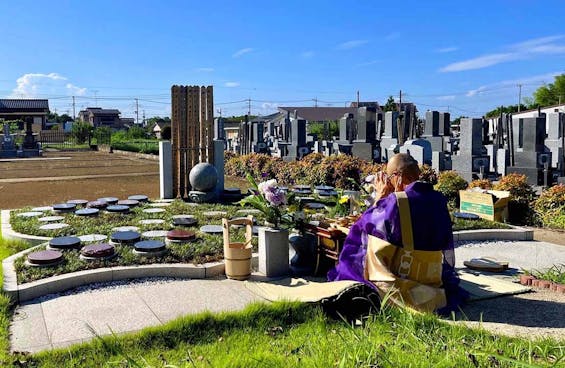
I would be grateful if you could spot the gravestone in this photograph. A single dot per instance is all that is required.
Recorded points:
(298, 147)
(470, 160)
(8, 146)
(365, 144)
(556, 140)
(389, 137)
(258, 144)
(420, 149)
(533, 159)
(432, 130)
(30, 147)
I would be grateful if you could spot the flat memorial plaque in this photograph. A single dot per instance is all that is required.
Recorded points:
(154, 234)
(151, 222)
(214, 213)
(45, 257)
(125, 237)
(466, 215)
(42, 209)
(65, 242)
(149, 246)
(251, 211)
(30, 214)
(212, 229)
(139, 198)
(55, 226)
(117, 209)
(51, 218)
(78, 202)
(160, 204)
(99, 250)
(315, 206)
(183, 216)
(90, 238)
(87, 212)
(181, 235)
(97, 204)
(64, 207)
(125, 228)
(185, 221)
(153, 210)
(109, 200)
(128, 202)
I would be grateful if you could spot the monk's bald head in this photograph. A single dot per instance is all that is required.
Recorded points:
(405, 165)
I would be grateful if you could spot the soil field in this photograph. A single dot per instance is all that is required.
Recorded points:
(59, 176)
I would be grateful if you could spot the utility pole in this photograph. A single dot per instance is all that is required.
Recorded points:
(136, 111)
(249, 106)
(95, 98)
(519, 97)
(315, 101)
(74, 114)
(357, 98)
(143, 122)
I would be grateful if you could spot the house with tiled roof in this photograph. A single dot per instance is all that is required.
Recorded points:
(20, 109)
(99, 117)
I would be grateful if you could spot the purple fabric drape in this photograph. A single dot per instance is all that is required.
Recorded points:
(432, 230)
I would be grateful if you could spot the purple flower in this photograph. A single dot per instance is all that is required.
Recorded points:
(275, 197)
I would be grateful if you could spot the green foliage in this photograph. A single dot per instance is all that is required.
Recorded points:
(552, 93)
(462, 224)
(449, 183)
(136, 132)
(519, 208)
(390, 105)
(81, 131)
(555, 273)
(457, 121)
(428, 174)
(505, 109)
(550, 207)
(14, 125)
(320, 130)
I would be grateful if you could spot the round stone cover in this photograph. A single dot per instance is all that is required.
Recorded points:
(125, 237)
(97, 204)
(153, 210)
(128, 202)
(139, 198)
(109, 200)
(182, 235)
(87, 212)
(466, 215)
(149, 246)
(183, 216)
(64, 207)
(45, 257)
(125, 228)
(55, 226)
(154, 234)
(212, 229)
(302, 187)
(99, 250)
(324, 188)
(151, 222)
(42, 209)
(51, 218)
(185, 221)
(315, 206)
(160, 204)
(117, 208)
(214, 213)
(78, 202)
(64, 242)
(93, 238)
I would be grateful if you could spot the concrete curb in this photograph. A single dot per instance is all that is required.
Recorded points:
(8, 233)
(56, 284)
(145, 156)
(514, 234)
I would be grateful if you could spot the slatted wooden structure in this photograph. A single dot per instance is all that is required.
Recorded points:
(192, 132)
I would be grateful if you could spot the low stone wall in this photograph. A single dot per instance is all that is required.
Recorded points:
(130, 154)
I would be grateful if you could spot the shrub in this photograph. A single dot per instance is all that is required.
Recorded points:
(550, 207)
(481, 183)
(81, 131)
(428, 175)
(449, 183)
(520, 211)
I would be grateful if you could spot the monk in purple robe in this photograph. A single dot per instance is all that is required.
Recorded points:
(431, 226)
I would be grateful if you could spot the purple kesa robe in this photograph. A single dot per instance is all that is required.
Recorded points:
(431, 226)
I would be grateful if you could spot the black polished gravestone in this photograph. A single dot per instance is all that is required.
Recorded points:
(117, 209)
(87, 212)
(64, 242)
(533, 159)
(298, 147)
(185, 221)
(64, 207)
(365, 143)
(470, 160)
(150, 246)
(125, 237)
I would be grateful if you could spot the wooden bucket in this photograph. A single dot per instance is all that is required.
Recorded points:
(237, 255)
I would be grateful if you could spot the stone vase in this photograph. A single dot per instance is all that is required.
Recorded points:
(273, 252)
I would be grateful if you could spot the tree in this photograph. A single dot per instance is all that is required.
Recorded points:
(390, 105)
(552, 93)
(157, 119)
(81, 131)
(457, 121)
(506, 110)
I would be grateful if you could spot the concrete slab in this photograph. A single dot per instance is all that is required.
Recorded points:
(28, 330)
(108, 310)
(174, 299)
(520, 254)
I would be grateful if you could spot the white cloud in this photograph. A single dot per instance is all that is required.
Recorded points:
(270, 106)
(444, 50)
(535, 80)
(307, 54)
(523, 50)
(33, 85)
(446, 98)
(351, 44)
(242, 52)
(205, 70)
(231, 84)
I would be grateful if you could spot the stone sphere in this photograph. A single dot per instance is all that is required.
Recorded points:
(203, 177)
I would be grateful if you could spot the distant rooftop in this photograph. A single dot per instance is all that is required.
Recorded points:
(24, 104)
(319, 113)
(101, 111)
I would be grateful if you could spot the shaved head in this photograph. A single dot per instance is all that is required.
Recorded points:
(405, 165)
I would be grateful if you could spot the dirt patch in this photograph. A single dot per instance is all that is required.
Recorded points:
(550, 235)
(144, 178)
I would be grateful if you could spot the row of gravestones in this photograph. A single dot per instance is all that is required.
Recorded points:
(531, 146)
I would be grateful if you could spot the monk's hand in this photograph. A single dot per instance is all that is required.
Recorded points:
(383, 186)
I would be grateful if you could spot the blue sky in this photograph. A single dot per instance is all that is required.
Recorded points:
(468, 57)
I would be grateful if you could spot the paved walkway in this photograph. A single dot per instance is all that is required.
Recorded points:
(60, 320)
